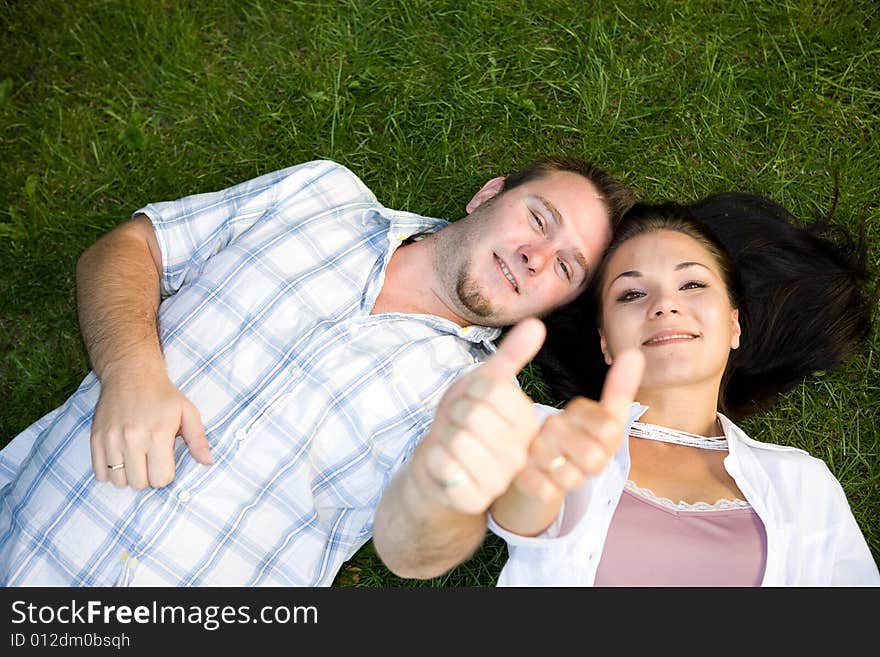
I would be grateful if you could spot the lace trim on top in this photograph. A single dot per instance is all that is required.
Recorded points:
(720, 505)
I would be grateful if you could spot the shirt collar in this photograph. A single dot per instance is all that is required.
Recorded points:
(400, 227)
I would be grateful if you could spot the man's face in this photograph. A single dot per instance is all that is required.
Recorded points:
(525, 251)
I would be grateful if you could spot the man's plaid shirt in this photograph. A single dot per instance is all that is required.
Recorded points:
(310, 403)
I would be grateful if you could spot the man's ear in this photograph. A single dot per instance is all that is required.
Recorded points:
(604, 347)
(488, 190)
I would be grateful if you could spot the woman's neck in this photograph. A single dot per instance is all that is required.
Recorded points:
(693, 409)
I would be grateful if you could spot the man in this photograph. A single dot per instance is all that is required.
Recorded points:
(297, 336)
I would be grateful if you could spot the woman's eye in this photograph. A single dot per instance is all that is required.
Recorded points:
(690, 285)
(630, 295)
(538, 221)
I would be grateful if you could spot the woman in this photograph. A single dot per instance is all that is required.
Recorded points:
(689, 499)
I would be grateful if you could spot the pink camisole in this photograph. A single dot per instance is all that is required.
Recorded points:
(653, 542)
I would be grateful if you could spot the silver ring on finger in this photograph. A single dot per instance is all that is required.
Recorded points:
(558, 461)
(451, 482)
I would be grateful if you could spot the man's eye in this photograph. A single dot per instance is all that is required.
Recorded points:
(565, 269)
(538, 221)
(630, 295)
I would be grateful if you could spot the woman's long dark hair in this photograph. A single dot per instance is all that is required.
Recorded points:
(800, 289)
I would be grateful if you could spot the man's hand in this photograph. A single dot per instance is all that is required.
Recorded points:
(482, 429)
(580, 441)
(135, 423)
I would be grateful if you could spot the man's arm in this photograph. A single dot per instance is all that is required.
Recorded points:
(139, 411)
(432, 515)
(418, 536)
(117, 282)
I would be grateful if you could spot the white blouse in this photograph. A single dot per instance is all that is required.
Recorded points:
(813, 538)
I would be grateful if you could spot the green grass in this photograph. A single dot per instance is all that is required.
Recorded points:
(106, 106)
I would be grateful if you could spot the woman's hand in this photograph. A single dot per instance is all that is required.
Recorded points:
(579, 442)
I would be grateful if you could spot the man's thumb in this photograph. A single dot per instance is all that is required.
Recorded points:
(622, 382)
(519, 346)
(193, 432)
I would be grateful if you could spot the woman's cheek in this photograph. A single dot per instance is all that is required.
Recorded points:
(620, 329)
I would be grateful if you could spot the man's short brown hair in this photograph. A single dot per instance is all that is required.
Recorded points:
(616, 196)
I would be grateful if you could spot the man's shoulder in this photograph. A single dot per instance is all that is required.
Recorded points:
(325, 178)
(324, 165)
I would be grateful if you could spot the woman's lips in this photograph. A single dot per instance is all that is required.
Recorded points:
(669, 337)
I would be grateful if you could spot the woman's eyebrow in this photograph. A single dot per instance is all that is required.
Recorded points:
(635, 273)
(628, 274)
(685, 265)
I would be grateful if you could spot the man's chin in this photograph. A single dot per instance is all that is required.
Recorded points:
(476, 304)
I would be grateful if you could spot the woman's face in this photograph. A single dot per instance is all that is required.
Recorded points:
(663, 294)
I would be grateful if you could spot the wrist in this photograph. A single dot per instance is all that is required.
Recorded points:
(133, 366)
(420, 505)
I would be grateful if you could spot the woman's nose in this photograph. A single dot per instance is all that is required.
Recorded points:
(664, 305)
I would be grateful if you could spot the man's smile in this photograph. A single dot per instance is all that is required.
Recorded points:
(507, 273)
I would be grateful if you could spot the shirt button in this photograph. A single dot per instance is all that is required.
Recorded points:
(184, 496)
(591, 556)
(241, 434)
(133, 563)
(123, 557)
(609, 503)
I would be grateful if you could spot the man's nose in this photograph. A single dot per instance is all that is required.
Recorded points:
(536, 256)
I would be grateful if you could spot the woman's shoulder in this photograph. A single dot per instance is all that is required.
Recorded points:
(776, 455)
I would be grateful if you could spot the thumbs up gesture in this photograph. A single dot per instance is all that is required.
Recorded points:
(480, 437)
(580, 441)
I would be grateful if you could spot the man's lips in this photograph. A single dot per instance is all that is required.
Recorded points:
(669, 337)
(505, 271)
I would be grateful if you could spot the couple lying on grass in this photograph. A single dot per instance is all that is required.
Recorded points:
(286, 367)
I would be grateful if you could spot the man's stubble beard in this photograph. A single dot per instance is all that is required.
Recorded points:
(471, 296)
(463, 286)
(467, 289)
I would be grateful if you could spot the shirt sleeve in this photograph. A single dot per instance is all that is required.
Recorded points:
(853, 564)
(194, 228)
(518, 539)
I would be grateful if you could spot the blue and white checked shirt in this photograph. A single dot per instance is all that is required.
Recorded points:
(310, 403)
